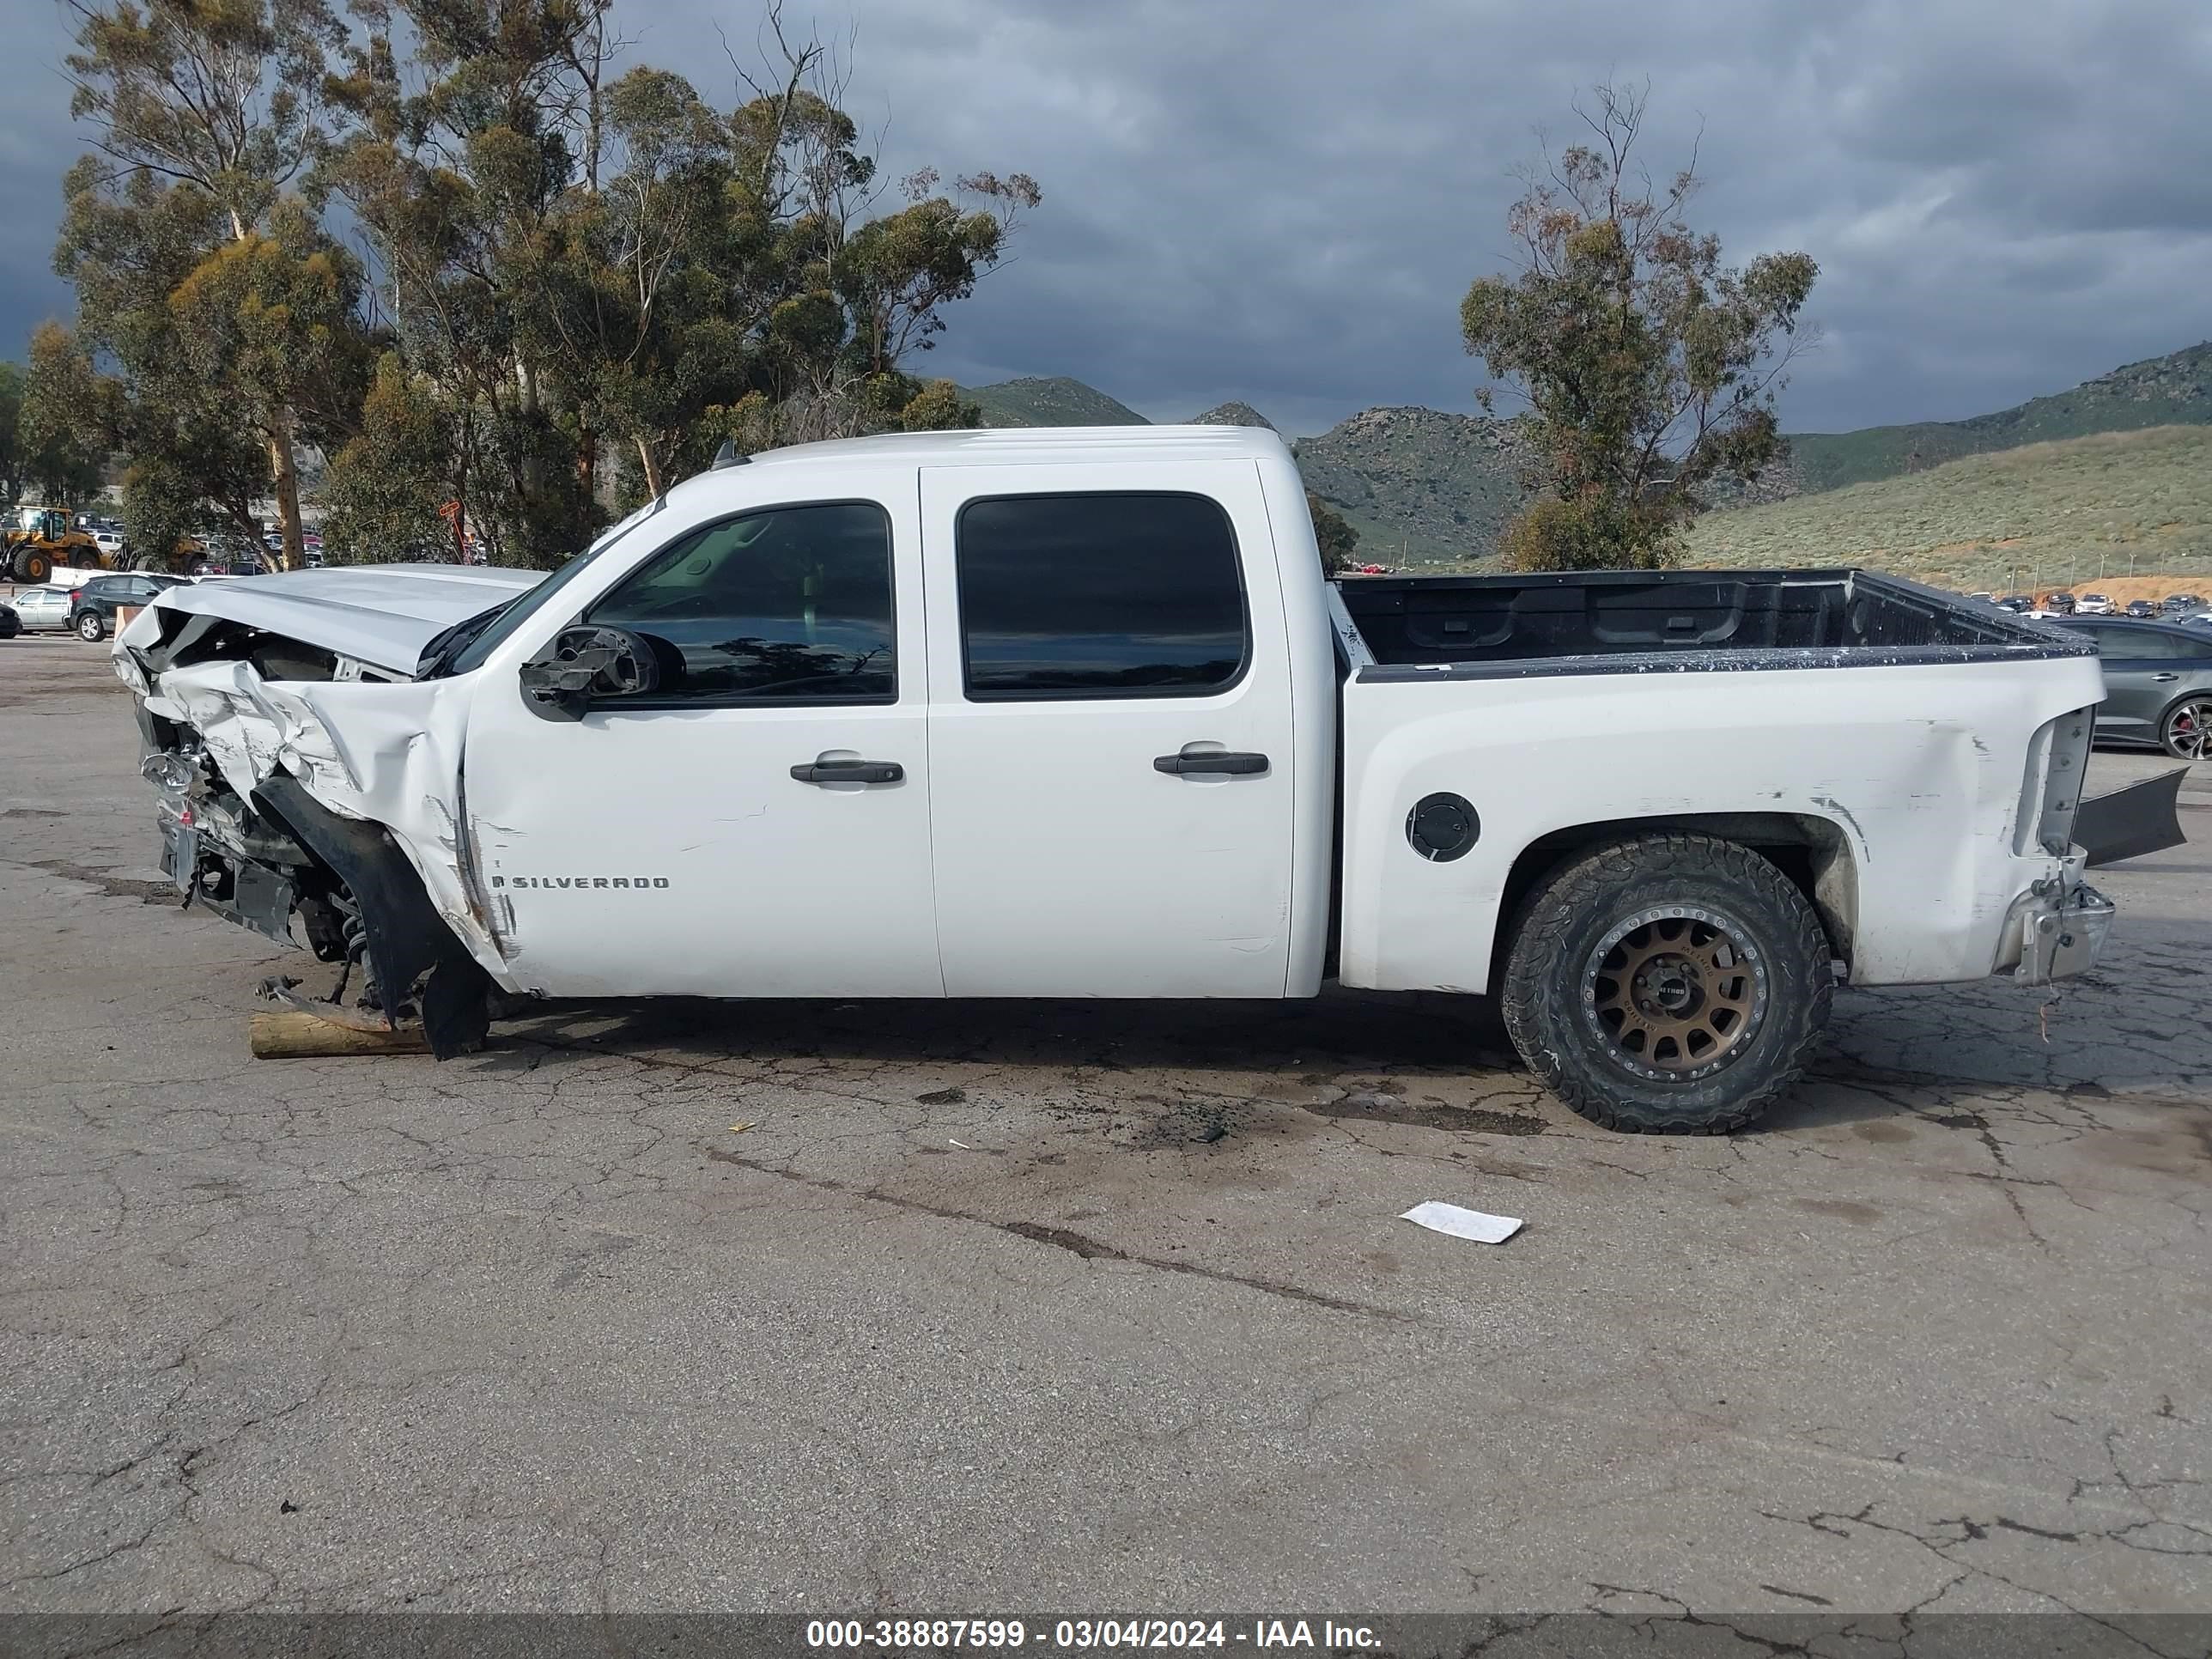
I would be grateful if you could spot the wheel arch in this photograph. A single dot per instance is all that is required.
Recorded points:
(2194, 694)
(1814, 852)
(408, 940)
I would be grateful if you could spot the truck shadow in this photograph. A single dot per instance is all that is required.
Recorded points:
(1428, 1057)
(1340, 1031)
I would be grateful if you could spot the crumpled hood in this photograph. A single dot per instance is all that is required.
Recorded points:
(380, 614)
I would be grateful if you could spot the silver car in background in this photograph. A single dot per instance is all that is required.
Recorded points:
(40, 609)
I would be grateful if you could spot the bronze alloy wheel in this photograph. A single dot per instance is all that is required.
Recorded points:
(2188, 732)
(1674, 992)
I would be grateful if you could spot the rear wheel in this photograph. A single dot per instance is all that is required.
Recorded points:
(1667, 985)
(33, 567)
(91, 626)
(2185, 732)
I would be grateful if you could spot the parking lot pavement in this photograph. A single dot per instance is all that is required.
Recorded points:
(997, 1306)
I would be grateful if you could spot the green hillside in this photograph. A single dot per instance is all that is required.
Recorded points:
(1426, 486)
(2169, 391)
(2054, 514)
(1420, 485)
(1053, 401)
(1232, 414)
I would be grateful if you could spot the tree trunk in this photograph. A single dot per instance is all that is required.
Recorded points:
(651, 470)
(533, 470)
(284, 466)
(461, 489)
(285, 469)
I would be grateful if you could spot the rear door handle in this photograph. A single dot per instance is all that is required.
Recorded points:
(2165, 676)
(1194, 764)
(849, 771)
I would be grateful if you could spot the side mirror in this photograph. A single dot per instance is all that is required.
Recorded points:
(584, 665)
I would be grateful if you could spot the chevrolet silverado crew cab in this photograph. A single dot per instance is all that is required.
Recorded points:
(1075, 714)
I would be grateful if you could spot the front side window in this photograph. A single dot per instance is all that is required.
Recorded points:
(1103, 595)
(789, 604)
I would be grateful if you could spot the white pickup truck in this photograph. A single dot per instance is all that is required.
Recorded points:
(1075, 713)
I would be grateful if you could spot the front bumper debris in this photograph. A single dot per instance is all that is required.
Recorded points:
(2062, 934)
(236, 888)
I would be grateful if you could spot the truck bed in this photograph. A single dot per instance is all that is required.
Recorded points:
(1401, 628)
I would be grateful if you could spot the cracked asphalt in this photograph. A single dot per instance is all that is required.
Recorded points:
(997, 1307)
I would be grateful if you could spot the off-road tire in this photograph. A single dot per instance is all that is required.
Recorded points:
(1550, 1010)
(31, 567)
(91, 627)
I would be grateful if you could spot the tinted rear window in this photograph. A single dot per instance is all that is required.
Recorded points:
(1099, 595)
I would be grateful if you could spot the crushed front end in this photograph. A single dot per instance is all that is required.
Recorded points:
(246, 773)
(226, 857)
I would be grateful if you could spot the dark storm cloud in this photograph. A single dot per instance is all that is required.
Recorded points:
(36, 146)
(1284, 201)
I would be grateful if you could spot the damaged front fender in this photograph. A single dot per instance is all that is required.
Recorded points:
(384, 752)
(310, 783)
(409, 941)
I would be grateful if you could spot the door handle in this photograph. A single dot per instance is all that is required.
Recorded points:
(1195, 764)
(2165, 676)
(849, 771)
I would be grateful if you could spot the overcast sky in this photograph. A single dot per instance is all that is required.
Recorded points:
(1284, 201)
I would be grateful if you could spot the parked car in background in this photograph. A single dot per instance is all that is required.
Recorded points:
(2016, 603)
(222, 567)
(2059, 605)
(226, 553)
(2158, 685)
(2183, 604)
(2142, 610)
(41, 610)
(2093, 605)
(92, 607)
(10, 624)
(1986, 598)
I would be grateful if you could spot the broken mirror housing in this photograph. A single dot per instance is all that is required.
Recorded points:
(585, 664)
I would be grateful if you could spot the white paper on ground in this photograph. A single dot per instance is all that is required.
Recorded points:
(1463, 1224)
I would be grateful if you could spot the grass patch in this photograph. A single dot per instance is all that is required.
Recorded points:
(2064, 514)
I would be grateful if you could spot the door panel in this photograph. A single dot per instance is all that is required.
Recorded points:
(1082, 657)
(663, 845)
(2145, 670)
(2131, 689)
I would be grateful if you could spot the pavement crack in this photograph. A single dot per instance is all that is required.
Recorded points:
(1078, 1244)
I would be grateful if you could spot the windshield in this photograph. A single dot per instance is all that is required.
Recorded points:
(464, 647)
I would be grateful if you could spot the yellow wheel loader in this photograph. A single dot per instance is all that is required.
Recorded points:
(44, 540)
